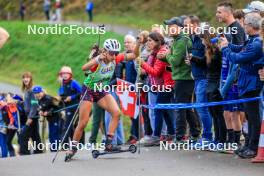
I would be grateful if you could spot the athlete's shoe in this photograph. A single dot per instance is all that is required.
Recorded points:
(131, 140)
(70, 153)
(110, 147)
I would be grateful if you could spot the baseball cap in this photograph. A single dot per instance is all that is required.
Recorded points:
(174, 20)
(254, 6)
(37, 89)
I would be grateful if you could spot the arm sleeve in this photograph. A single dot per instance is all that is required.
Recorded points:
(235, 48)
(93, 69)
(229, 81)
(157, 70)
(249, 54)
(201, 61)
(120, 58)
(33, 107)
(60, 91)
(178, 53)
(76, 86)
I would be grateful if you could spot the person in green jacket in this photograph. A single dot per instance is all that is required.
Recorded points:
(184, 83)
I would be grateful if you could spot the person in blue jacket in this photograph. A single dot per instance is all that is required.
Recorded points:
(131, 76)
(89, 10)
(197, 60)
(248, 58)
(69, 92)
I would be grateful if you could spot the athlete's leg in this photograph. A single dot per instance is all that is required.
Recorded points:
(110, 105)
(84, 112)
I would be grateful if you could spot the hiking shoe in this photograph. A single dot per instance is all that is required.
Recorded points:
(240, 149)
(153, 141)
(247, 154)
(143, 140)
(202, 143)
(193, 139)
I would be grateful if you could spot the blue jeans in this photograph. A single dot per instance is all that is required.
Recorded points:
(54, 133)
(164, 114)
(152, 99)
(3, 146)
(201, 97)
(119, 133)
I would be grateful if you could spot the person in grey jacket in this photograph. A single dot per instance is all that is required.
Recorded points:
(31, 129)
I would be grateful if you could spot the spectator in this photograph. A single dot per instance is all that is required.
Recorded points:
(228, 85)
(156, 43)
(144, 53)
(131, 76)
(198, 63)
(239, 15)
(213, 62)
(69, 92)
(152, 96)
(58, 7)
(31, 129)
(184, 84)
(46, 8)
(22, 11)
(89, 10)
(248, 82)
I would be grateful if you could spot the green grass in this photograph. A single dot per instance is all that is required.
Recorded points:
(44, 55)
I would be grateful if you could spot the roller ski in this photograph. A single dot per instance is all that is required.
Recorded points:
(112, 149)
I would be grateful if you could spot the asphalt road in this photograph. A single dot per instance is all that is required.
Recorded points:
(5, 88)
(151, 161)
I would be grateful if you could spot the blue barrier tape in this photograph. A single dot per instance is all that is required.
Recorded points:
(199, 105)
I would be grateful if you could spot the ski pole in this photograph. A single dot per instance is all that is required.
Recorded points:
(71, 122)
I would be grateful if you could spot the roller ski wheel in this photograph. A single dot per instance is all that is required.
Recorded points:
(95, 154)
(131, 149)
